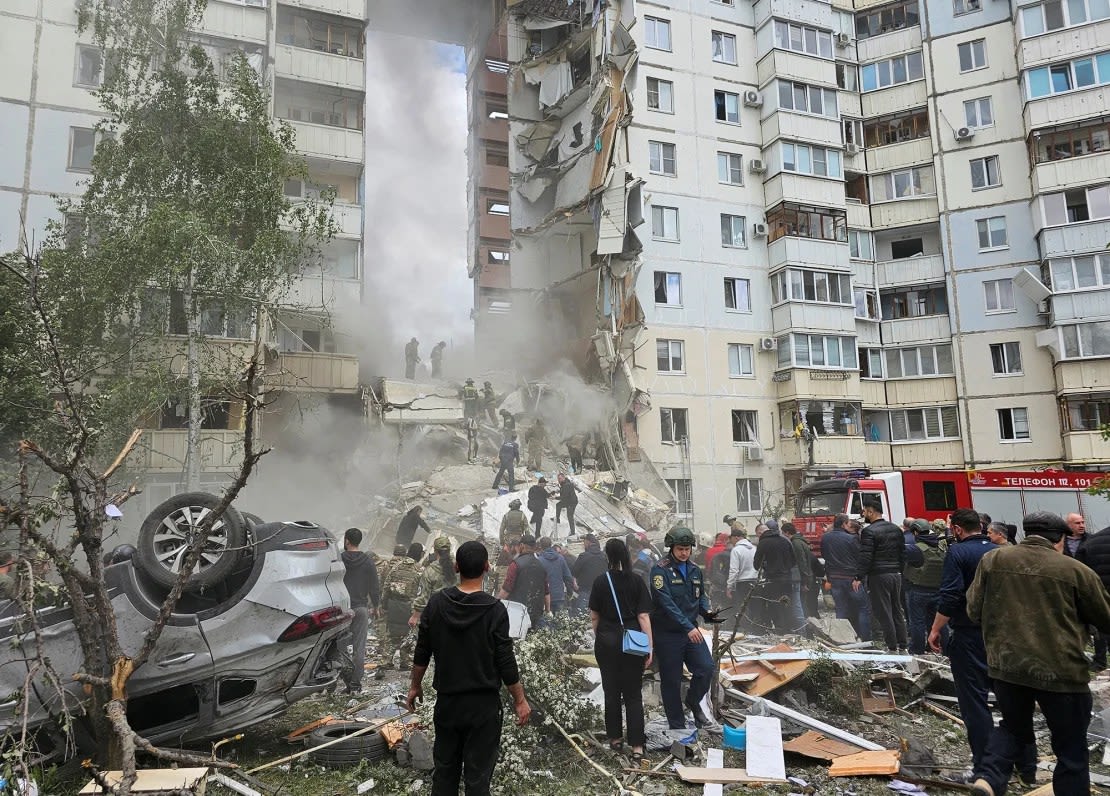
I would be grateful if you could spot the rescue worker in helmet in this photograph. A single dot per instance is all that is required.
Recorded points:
(678, 593)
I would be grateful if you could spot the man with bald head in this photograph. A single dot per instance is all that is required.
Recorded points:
(1077, 525)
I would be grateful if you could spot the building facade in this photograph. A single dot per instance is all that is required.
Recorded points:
(311, 53)
(805, 238)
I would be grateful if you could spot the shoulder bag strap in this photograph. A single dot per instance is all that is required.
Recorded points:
(616, 602)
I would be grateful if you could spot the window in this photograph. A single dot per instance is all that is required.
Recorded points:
(740, 360)
(744, 426)
(807, 222)
(924, 360)
(853, 131)
(730, 168)
(985, 173)
(807, 159)
(733, 231)
(892, 72)
(1013, 424)
(497, 109)
(909, 247)
(847, 76)
(660, 95)
(896, 128)
(890, 18)
(1088, 413)
(973, 55)
(664, 222)
(903, 184)
(669, 356)
(90, 66)
(870, 363)
(727, 105)
(979, 113)
(965, 7)
(999, 295)
(807, 99)
(672, 425)
(992, 232)
(866, 304)
(497, 207)
(819, 351)
(497, 157)
(1006, 358)
(1071, 142)
(1086, 340)
(802, 39)
(82, 145)
(798, 285)
(661, 158)
(826, 418)
(860, 245)
(1068, 75)
(657, 33)
(915, 302)
(1056, 14)
(1077, 205)
(738, 294)
(724, 48)
(749, 493)
(914, 425)
(1078, 273)
(668, 288)
(683, 490)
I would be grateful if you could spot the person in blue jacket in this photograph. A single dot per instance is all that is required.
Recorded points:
(678, 595)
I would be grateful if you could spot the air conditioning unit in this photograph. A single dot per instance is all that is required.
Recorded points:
(843, 40)
(756, 166)
(851, 149)
(1043, 308)
(768, 344)
(755, 453)
(753, 99)
(965, 134)
(759, 229)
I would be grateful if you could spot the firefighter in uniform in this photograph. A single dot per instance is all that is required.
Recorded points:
(679, 597)
(489, 402)
(399, 586)
(470, 398)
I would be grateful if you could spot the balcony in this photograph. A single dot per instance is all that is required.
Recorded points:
(918, 392)
(1084, 446)
(312, 66)
(927, 454)
(1075, 106)
(848, 103)
(1082, 375)
(803, 127)
(910, 271)
(325, 141)
(878, 457)
(914, 152)
(1080, 305)
(316, 372)
(863, 273)
(353, 9)
(916, 330)
(828, 385)
(164, 450)
(493, 177)
(867, 333)
(894, 99)
(787, 65)
(1063, 44)
(812, 11)
(905, 212)
(797, 316)
(877, 48)
(348, 219)
(493, 129)
(789, 250)
(1060, 175)
(834, 452)
(803, 189)
(873, 392)
(232, 21)
(1080, 238)
(859, 214)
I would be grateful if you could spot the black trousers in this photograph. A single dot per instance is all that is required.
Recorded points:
(468, 739)
(622, 678)
(886, 609)
(537, 519)
(777, 607)
(570, 507)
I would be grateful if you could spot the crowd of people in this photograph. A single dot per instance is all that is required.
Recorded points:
(1014, 617)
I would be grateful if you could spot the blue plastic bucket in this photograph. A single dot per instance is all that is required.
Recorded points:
(502, 490)
(736, 737)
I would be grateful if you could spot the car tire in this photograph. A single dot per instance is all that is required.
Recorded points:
(348, 751)
(166, 534)
(252, 519)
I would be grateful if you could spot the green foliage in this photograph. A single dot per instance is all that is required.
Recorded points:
(837, 687)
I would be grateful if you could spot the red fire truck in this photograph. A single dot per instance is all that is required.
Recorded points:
(934, 494)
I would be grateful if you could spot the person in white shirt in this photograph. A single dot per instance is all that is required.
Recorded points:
(742, 578)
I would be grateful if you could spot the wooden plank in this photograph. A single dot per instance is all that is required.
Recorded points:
(819, 746)
(726, 776)
(768, 676)
(153, 780)
(764, 748)
(866, 763)
(312, 725)
(805, 655)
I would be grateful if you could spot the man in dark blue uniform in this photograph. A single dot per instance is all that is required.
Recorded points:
(678, 599)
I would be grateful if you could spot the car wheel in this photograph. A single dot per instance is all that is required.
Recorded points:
(252, 519)
(348, 751)
(168, 531)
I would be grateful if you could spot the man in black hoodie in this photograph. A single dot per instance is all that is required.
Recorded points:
(774, 555)
(882, 559)
(587, 567)
(467, 631)
(361, 581)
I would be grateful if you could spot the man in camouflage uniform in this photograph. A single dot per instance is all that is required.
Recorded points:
(536, 439)
(399, 585)
(438, 574)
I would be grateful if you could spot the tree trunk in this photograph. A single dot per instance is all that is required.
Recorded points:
(192, 449)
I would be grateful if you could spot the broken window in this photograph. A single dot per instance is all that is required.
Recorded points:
(807, 222)
(661, 158)
(82, 145)
(724, 47)
(897, 127)
(910, 247)
(672, 425)
(738, 294)
(744, 426)
(669, 356)
(727, 104)
(870, 363)
(214, 414)
(497, 109)
(683, 489)
(915, 302)
(660, 95)
(1088, 413)
(90, 65)
(497, 207)
(733, 231)
(740, 360)
(320, 32)
(497, 157)
(1006, 358)
(749, 493)
(1013, 424)
(497, 257)
(668, 288)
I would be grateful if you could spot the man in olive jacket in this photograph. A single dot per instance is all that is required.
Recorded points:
(1034, 605)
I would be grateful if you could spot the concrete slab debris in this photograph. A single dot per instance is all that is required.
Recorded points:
(838, 631)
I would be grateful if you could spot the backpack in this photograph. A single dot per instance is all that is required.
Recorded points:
(928, 575)
(404, 581)
(718, 569)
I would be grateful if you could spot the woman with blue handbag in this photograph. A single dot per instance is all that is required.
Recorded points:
(620, 611)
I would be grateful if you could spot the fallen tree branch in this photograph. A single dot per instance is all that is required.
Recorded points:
(574, 745)
(377, 725)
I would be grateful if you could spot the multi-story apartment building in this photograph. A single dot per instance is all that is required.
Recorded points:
(311, 53)
(804, 238)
